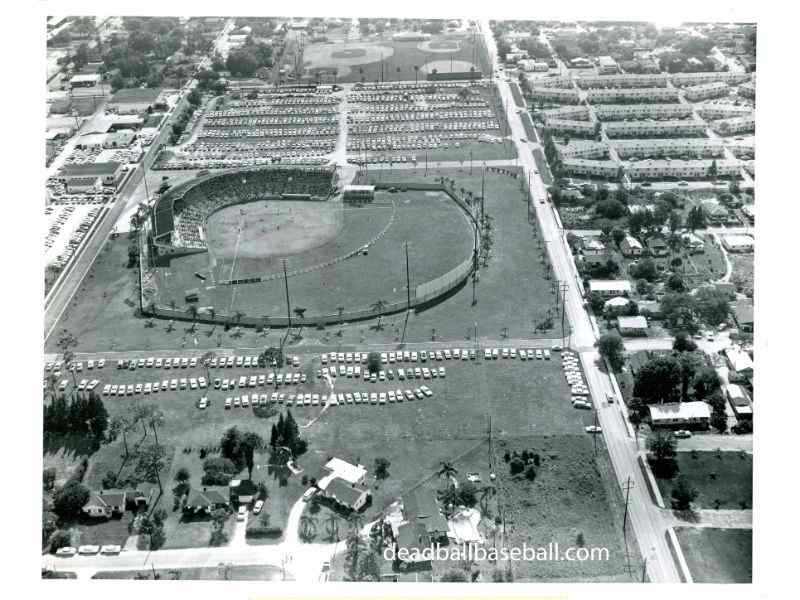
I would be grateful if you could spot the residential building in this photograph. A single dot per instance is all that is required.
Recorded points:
(680, 413)
(105, 504)
(352, 474)
(657, 246)
(619, 112)
(607, 65)
(631, 247)
(550, 82)
(693, 242)
(582, 149)
(621, 81)
(548, 94)
(609, 288)
(580, 63)
(655, 128)
(633, 95)
(206, 500)
(570, 113)
(83, 185)
(346, 496)
(85, 80)
(738, 242)
(242, 491)
(422, 507)
(739, 363)
(615, 304)
(713, 112)
(412, 547)
(743, 124)
(632, 326)
(714, 89)
(748, 90)
(593, 247)
(669, 147)
(593, 168)
(715, 212)
(682, 169)
(687, 79)
(563, 126)
(739, 400)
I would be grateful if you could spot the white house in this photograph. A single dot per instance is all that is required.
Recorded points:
(631, 247)
(680, 413)
(610, 288)
(632, 326)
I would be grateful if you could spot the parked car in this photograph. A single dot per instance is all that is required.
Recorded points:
(241, 514)
(594, 429)
(110, 549)
(89, 549)
(683, 433)
(258, 506)
(66, 551)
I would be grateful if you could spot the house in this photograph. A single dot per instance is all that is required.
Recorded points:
(743, 315)
(421, 506)
(739, 401)
(412, 547)
(344, 496)
(85, 80)
(632, 326)
(607, 65)
(650, 309)
(657, 246)
(610, 288)
(206, 500)
(693, 242)
(109, 172)
(105, 504)
(352, 474)
(242, 491)
(630, 247)
(680, 413)
(615, 304)
(716, 213)
(740, 364)
(593, 247)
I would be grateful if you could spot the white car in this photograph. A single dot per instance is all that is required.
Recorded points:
(66, 551)
(101, 363)
(683, 433)
(110, 549)
(594, 429)
(89, 549)
(258, 506)
(241, 514)
(426, 390)
(309, 493)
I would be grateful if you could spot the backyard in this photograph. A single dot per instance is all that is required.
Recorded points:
(717, 555)
(723, 480)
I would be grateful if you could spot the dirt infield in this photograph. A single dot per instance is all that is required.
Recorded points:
(264, 229)
(445, 46)
(350, 53)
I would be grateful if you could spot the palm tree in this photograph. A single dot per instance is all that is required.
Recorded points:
(237, 316)
(308, 527)
(447, 470)
(379, 305)
(332, 525)
(191, 310)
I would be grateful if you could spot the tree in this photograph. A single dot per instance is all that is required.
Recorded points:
(706, 383)
(367, 567)
(683, 342)
(69, 500)
(610, 209)
(454, 575)
(612, 348)
(696, 219)
(382, 468)
(48, 478)
(618, 235)
(690, 363)
(645, 269)
(355, 546)
(249, 443)
(683, 494)
(662, 451)
(182, 475)
(658, 380)
(712, 305)
(60, 539)
(374, 362)
(675, 283)
(447, 470)
(150, 462)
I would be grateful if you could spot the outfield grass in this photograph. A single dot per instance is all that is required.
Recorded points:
(405, 55)
(717, 555)
(727, 477)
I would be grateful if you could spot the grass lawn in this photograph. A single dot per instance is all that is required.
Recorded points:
(724, 476)
(86, 530)
(718, 555)
(742, 274)
(235, 573)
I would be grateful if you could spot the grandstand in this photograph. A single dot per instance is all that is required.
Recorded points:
(179, 217)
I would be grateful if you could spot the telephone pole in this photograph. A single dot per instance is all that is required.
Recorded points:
(286, 285)
(596, 434)
(627, 487)
(408, 298)
(563, 289)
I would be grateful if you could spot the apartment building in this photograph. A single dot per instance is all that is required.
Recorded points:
(591, 168)
(712, 112)
(734, 125)
(574, 113)
(582, 149)
(549, 82)
(622, 81)
(715, 89)
(565, 126)
(748, 90)
(566, 95)
(669, 147)
(686, 79)
(619, 112)
(618, 129)
(607, 65)
(633, 95)
(682, 169)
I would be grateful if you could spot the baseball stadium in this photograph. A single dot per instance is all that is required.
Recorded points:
(261, 246)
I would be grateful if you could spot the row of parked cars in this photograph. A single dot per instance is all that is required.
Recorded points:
(356, 372)
(264, 132)
(193, 362)
(308, 399)
(88, 550)
(574, 376)
(174, 384)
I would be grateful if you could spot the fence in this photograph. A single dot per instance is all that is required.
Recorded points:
(422, 294)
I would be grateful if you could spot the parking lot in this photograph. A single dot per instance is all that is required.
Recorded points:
(67, 224)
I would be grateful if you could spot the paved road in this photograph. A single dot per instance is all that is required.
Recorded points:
(647, 521)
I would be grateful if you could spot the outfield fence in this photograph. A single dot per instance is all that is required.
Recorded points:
(420, 295)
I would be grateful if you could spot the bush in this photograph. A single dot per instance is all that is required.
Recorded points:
(374, 362)
(110, 480)
(517, 466)
(59, 539)
(258, 531)
(530, 473)
(70, 499)
(218, 538)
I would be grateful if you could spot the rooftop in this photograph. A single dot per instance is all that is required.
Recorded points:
(89, 169)
(137, 95)
(680, 410)
(345, 470)
(638, 322)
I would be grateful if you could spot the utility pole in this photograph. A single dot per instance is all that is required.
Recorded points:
(408, 298)
(483, 190)
(644, 569)
(563, 289)
(595, 433)
(470, 161)
(286, 286)
(627, 487)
